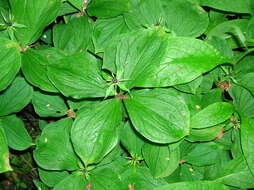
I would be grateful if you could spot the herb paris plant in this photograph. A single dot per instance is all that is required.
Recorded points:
(134, 94)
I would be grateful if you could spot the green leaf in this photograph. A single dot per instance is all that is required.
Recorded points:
(160, 115)
(46, 36)
(189, 172)
(222, 46)
(162, 160)
(77, 3)
(247, 141)
(195, 185)
(4, 153)
(212, 115)
(53, 148)
(236, 6)
(244, 72)
(184, 60)
(75, 104)
(131, 140)
(140, 178)
(193, 18)
(104, 179)
(34, 66)
(49, 105)
(151, 58)
(4, 4)
(236, 173)
(10, 62)
(51, 178)
(35, 15)
(95, 131)
(204, 154)
(78, 76)
(107, 29)
(206, 134)
(75, 181)
(145, 13)
(191, 87)
(247, 81)
(225, 30)
(242, 100)
(168, 14)
(74, 36)
(16, 97)
(16, 133)
(108, 8)
(40, 186)
(66, 8)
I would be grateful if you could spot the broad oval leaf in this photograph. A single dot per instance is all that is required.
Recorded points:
(34, 66)
(77, 3)
(40, 186)
(51, 178)
(204, 154)
(105, 30)
(185, 59)
(160, 115)
(35, 15)
(131, 140)
(140, 178)
(247, 141)
(236, 6)
(236, 173)
(49, 105)
(228, 30)
(16, 133)
(206, 134)
(193, 18)
(162, 160)
(190, 87)
(74, 36)
(16, 97)
(4, 153)
(95, 131)
(108, 8)
(153, 58)
(10, 62)
(104, 179)
(75, 181)
(169, 14)
(78, 76)
(212, 115)
(242, 100)
(195, 185)
(54, 150)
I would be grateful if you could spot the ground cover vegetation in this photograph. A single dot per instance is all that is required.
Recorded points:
(126, 94)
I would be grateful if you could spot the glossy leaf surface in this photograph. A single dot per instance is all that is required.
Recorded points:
(213, 114)
(16, 97)
(161, 160)
(197, 185)
(108, 8)
(78, 76)
(10, 62)
(53, 148)
(34, 67)
(49, 105)
(35, 15)
(160, 115)
(4, 153)
(74, 36)
(95, 131)
(16, 133)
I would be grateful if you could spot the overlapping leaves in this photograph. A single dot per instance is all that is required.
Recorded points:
(145, 82)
